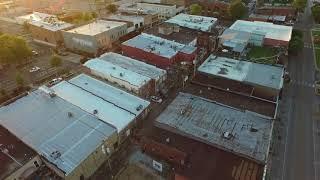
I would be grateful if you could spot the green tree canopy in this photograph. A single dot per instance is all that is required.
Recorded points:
(13, 49)
(295, 44)
(316, 12)
(299, 4)
(55, 61)
(112, 8)
(237, 9)
(195, 9)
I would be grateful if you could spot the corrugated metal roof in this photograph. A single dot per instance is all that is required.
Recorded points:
(111, 104)
(241, 132)
(244, 71)
(133, 65)
(56, 129)
(105, 69)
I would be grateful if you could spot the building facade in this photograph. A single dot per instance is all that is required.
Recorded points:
(158, 51)
(95, 37)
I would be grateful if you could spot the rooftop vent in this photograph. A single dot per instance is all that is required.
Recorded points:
(227, 135)
(253, 129)
(95, 111)
(70, 114)
(121, 74)
(139, 107)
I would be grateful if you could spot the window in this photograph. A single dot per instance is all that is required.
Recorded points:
(36, 163)
(81, 177)
(115, 145)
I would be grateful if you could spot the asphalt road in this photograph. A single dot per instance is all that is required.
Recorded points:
(299, 150)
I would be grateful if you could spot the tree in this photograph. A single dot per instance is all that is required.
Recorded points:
(19, 80)
(55, 61)
(316, 12)
(299, 4)
(112, 8)
(195, 9)
(13, 49)
(295, 44)
(237, 9)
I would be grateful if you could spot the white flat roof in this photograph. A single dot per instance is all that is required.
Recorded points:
(158, 45)
(105, 68)
(131, 18)
(133, 65)
(113, 105)
(244, 71)
(96, 27)
(271, 31)
(46, 21)
(201, 23)
(208, 121)
(44, 123)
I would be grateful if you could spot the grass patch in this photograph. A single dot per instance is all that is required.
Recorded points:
(257, 54)
(315, 33)
(317, 53)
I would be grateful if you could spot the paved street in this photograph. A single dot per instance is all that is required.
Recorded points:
(295, 155)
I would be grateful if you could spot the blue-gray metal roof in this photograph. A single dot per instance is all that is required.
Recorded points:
(63, 133)
(208, 121)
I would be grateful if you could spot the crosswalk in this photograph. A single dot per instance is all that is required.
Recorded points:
(302, 83)
(308, 45)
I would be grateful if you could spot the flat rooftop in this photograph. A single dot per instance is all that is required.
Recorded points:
(106, 69)
(133, 65)
(51, 124)
(237, 40)
(112, 105)
(201, 23)
(270, 30)
(46, 21)
(244, 71)
(158, 45)
(96, 27)
(241, 132)
(184, 36)
(125, 17)
(18, 151)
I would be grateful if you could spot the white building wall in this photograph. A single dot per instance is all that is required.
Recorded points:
(124, 84)
(164, 11)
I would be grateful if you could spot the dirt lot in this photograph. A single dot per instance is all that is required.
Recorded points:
(137, 172)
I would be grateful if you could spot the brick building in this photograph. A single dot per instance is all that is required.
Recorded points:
(160, 52)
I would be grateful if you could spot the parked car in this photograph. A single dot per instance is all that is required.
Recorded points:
(55, 81)
(156, 99)
(34, 53)
(34, 69)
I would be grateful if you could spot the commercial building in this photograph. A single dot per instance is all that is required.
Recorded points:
(95, 37)
(164, 11)
(45, 28)
(134, 22)
(264, 33)
(18, 161)
(131, 81)
(72, 142)
(111, 105)
(158, 51)
(267, 18)
(157, 75)
(200, 23)
(243, 133)
(264, 80)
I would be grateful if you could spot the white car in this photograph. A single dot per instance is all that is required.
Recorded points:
(35, 53)
(34, 69)
(55, 81)
(156, 99)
